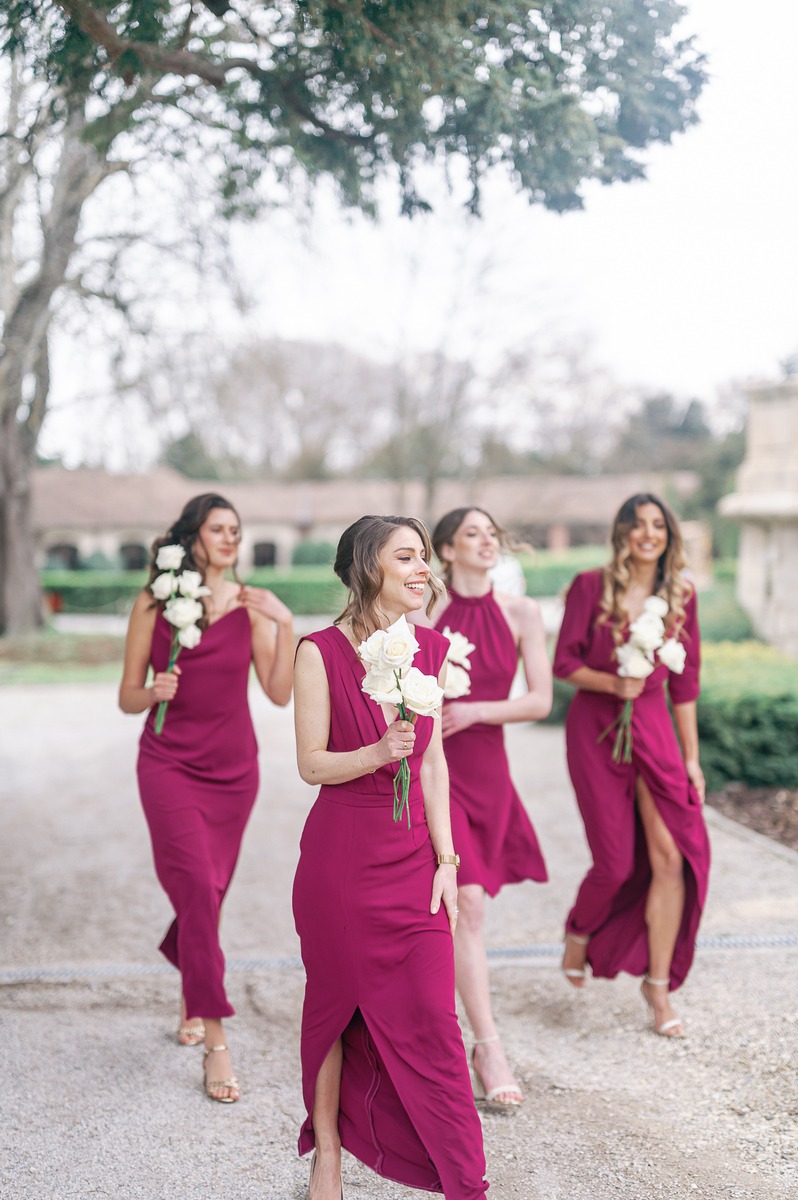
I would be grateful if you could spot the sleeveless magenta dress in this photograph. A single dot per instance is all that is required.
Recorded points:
(198, 780)
(492, 833)
(610, 905)
(380, 967)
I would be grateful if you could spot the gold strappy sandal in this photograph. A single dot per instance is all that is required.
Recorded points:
(191, 1035)
(218, 1085)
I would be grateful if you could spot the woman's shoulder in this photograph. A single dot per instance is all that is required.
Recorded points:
(586, 584)
(433, 645)
(429, 638)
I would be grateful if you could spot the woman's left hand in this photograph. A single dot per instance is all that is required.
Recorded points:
(457, 717)
(261, 600)
(444, 887)
(696, 777)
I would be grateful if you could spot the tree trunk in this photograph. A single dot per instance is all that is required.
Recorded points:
(24, 372)
(20, 599)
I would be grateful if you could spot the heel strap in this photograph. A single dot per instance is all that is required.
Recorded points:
(657, 982)
(485, 1041)
(214, 1049)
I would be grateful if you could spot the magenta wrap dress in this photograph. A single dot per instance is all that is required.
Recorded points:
(492, 833)
(610, 904)
(380, 966)
(198, 780)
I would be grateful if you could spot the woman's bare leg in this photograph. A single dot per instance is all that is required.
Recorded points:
(473, 984)
(664, 904)
(326, 1180)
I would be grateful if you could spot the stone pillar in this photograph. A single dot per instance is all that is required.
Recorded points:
(766, 506)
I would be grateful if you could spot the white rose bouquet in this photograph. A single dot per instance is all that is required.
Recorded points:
(180, 593)
(637, 658)
(391, 678)
(458, 680)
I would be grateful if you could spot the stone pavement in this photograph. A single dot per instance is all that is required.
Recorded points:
(100, 1101)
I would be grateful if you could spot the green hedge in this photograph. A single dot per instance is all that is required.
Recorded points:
(306, 590)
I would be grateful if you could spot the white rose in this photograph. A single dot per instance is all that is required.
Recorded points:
(632, 663)
(657, 606)
(459, 647)
(647, 633)
(163, 586)
(189, 636)
(673, 655)
(169, 558)
(369, 651)
(183, 611)
(421, 693)
(381, 686)
(458, 682)
(398, 647)
(190, 583)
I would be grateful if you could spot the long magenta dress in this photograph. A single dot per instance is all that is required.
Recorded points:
(610, 904)
(380, 966)
(492, 833)
(198, 780)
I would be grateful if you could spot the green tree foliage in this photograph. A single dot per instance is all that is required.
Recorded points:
(561, 92)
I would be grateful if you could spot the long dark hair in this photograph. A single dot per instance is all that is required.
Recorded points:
(185, 532)
(357, 565)
(669, 583)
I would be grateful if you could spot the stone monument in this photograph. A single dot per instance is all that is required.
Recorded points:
(766, 506)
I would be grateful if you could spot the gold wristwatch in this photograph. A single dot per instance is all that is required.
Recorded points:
(452, 860)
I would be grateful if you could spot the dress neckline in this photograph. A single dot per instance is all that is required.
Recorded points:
(471, 601)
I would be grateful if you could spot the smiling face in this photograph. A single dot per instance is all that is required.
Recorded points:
(217, 540)
(648, 537)
(474, 545)
(405, 571)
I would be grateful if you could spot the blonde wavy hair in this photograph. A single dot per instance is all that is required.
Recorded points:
(357, 565)
(616, 576)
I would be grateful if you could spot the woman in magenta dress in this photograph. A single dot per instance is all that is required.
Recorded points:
(493, 834)
(639, 906)
(198, 778)
(383, 1064)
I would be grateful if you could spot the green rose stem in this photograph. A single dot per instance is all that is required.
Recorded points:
(174, 651)
(622, 747)
(402, 776)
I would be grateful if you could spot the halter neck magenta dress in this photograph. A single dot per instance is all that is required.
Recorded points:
(380, 966)
(492, 833)
(198, 780)
(610, 907)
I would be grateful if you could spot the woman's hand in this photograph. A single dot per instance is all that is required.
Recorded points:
(457, 717)
(444, 887)
(627, 689)
(261, 600)
(397, 742)
(696, 777)
(164, 685)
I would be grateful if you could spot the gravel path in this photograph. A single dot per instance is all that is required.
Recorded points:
(100, 1101)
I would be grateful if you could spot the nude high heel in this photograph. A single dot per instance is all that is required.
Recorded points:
(576, 976)
(667, 1028)
(515, 1097)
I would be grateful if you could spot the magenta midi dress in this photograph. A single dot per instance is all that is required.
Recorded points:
(380, 966)
(492, 833)
(610, 904)
(198, 780)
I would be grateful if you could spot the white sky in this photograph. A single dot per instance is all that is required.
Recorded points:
(680, 283)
